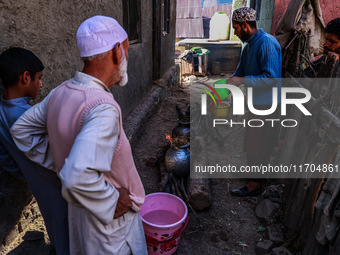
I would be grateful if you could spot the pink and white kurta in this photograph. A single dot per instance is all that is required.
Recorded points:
(93, 158)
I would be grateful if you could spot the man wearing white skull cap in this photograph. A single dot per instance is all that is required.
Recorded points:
(80, 124)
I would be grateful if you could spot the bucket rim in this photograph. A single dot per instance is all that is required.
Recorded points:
(169, 225)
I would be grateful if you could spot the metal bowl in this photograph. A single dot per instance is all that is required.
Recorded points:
(222, 111)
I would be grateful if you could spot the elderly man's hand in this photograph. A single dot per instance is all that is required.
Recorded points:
(237, 81)
(124, 203)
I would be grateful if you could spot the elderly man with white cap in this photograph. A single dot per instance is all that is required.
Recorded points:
(80, 124)
(261, 61)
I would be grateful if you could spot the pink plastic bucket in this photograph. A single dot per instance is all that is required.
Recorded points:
(164, 218)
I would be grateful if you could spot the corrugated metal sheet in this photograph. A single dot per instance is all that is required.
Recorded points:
(189, 9)
(208, 12)
(189, 23)
(211, 3)
(189, 28)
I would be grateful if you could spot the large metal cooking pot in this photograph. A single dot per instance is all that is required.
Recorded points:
(177, 161)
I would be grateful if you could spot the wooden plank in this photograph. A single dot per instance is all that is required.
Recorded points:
(331, 124)
(199, 189)
(328, 121)
(290, 139)
(312, 246)
(305, 145)
(302, 195)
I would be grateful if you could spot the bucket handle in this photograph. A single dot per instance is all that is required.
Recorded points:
(185, 224)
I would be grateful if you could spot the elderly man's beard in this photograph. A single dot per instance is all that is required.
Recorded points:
(122, 70)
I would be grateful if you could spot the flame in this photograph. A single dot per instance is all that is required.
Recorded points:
(169, 138)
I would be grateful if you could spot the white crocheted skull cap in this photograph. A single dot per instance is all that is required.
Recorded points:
(99, 34)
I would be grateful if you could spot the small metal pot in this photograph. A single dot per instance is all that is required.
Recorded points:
(183, 128)
(177, 161)
(222, 111)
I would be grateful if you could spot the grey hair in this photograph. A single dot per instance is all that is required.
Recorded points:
(97, 56)
(100, 55)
